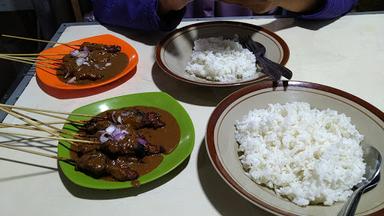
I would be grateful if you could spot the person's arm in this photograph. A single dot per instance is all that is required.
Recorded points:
(300, 6)
(330, 9)
(137, 14)
(306, 9)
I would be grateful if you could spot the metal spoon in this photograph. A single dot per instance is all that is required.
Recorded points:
(372, 159)
(269, 67)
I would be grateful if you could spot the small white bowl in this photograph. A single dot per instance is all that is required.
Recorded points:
(175, 50)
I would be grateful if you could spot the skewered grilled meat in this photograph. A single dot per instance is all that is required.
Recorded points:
(92, 62)
(86, 148)
(122, 146)
(136, 118)
(94, 125)
(131, 143)
(98, 164)
(120, 169)
(100, 47)
(93, 163)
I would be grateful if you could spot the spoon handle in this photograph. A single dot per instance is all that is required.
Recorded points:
(268, 69)
(350, 206)
(283, 70)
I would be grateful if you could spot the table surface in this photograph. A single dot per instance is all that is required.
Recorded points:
(347, 53)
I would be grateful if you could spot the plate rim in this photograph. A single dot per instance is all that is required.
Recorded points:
(129, 68)
(220, 108)
(127, 184)
(162, 42)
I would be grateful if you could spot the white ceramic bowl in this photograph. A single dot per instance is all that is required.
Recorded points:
(175, 50)
(222, 147)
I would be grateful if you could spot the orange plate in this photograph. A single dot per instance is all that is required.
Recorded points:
(49, 76)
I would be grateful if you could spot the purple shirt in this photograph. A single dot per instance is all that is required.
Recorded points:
(142, 14)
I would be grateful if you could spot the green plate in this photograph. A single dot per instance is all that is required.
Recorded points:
(152, 99)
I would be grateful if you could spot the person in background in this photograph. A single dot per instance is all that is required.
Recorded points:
(165, 15)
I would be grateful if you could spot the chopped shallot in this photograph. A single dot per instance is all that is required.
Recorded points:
(72, 80)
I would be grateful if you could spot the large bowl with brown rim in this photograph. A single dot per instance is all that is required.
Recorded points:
(222, 147)
(174, 51)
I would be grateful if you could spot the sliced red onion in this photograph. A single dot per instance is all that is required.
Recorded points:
(86, 63)
(72, 80)
(85, 48)
(104, 138)
(119, 134)
(80, 61)
(66, 75)
(75, 53)
(110, 129)
(127, 113)
(142, 141)
(83, 54)
(113, 116)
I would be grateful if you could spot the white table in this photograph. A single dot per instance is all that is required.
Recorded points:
(347, 54)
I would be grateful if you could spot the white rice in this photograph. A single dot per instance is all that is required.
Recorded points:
(221, 60)
(307, 155)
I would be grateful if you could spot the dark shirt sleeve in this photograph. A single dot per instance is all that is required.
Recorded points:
(136, 14)
(330, 9)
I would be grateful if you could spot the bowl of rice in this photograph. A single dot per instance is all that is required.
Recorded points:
(295, 148)
(210, 54)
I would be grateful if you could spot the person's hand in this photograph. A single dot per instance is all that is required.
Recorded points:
(164, 6)
(263, 6)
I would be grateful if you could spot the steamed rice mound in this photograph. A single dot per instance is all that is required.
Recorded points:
(306, 155)
(221, 60)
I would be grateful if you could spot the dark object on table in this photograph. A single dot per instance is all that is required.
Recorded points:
(273, 69)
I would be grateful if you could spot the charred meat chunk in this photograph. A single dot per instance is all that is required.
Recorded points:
(93, 163)
(131, 144)
(84, 148)
(137, 118)
(94, 125)
(94, 46)
(152, 120)
(120, 169)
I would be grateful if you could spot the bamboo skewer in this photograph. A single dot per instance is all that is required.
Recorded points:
(37, 153)
(43, 110)
(26, 127)
(38, 63)
(24, 140)
(38, 123)
(28, 62)
(32, 59)
(30, 121)
(49, 137)
(29, 127)
(33, 54)
(45, 123)
(39, 40)
(34, 124)
(51, 128)
(58, 117)
(32, 139)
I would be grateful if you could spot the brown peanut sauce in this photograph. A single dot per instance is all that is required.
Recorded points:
(167, 137)
(116, 61)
